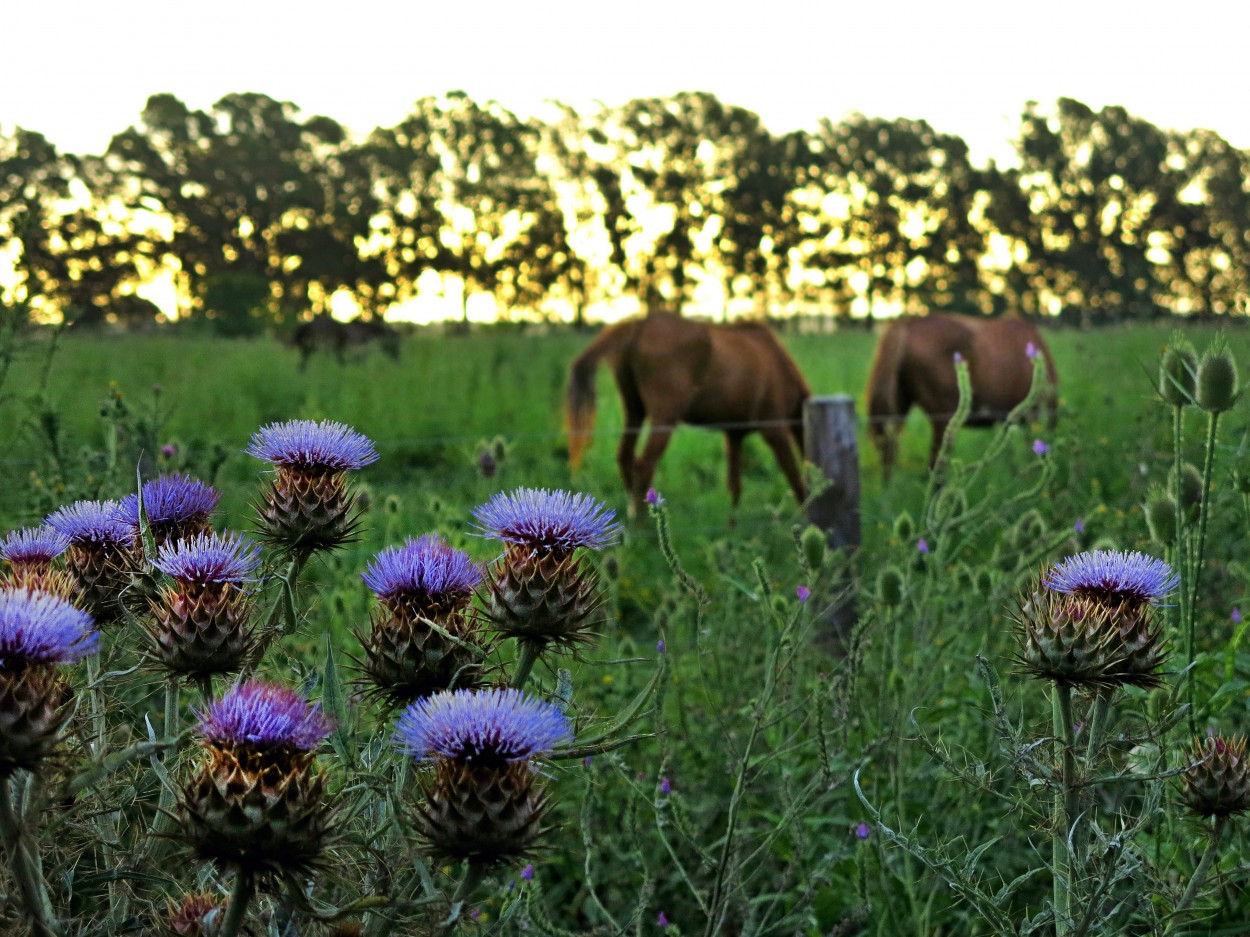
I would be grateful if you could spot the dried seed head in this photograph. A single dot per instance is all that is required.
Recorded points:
(1177, 370)
(1216, 386)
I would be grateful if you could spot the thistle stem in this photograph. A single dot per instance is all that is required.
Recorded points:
(464, 890)
(240, 898)
(1200, 873)
(172, 727)
(1061, 712)
(27, 869)
(529, 654)
(1208, 467)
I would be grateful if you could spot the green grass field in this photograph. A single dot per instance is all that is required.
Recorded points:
(621, 851)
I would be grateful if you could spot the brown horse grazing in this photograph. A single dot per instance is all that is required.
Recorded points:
(325, 333)
(914, 365)
(736, 378)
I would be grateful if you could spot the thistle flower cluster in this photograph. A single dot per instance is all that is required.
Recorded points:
(38, 633)
(202, 618)
(99, 556)
(256, 804)
(1090, 621)
(542, 591)
(177, 507)
(424, 635)
(31, 555)
(310, 504)
(485, 802)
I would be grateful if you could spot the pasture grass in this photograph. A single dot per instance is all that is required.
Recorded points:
(744, 792)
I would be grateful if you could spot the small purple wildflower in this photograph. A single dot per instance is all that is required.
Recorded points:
(1040, 447)
(803, 593)
(654, 497)
(40, 628)
(312, 446)
(958, 358)
(96, 522)
(1235, 615)
(209, 557)
(662, 920)
(586, 762)
(659, 646)
(266, 715)
(527, 873)
(1031, 350)
(862, 830)
(425, 566)
(1079, 526)
(485, 726)
(169, 450)
(1113, 576)
(171, 499)
(475, 913)
(33, 546)
(666, 786)
(548, 521)
(922, 545)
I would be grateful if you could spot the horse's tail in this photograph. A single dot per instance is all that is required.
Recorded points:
(885, 406)
(580, 399)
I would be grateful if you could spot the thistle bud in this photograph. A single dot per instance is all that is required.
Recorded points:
(424, 635)
(543, 590)
(485, 802)
(890, 586)
(1177, 369)
(193, 916)
(1217, 782)
(1188, 489)
(1216, 387)
(813, 542)
(904, 527)
(1160, 511)
(310, 504)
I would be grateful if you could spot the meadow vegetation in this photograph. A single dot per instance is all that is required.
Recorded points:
(735, 773)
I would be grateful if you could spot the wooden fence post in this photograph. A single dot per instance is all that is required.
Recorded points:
(830, 444)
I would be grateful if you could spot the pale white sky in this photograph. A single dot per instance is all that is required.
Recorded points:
(79, 72)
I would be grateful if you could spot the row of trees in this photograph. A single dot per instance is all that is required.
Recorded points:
(258, 212)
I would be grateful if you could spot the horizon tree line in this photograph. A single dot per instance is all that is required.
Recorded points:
(261, 214)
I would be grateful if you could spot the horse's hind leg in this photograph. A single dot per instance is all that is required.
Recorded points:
(657, 441)
(779, 440)
(634, 417)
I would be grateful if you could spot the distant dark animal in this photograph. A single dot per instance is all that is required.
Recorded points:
(735, 378)
(327, 334)
(915, 366)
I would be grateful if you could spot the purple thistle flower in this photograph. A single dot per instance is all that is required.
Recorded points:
(33, 546)
(527, 873)
(922, 545)
(1040, 447)
(209, 557)
(484, 726)
(666, 786)
(266, 715)
(169, 450)
(548, 521)
(659, 646)
(424, 566)
(803, 593)
(96, 522)
(653, 497)
(170, 499)
(40, 628)
(1031, 350)
(662, 920)
(862, 830)
(1113, 576)
(314, 446)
